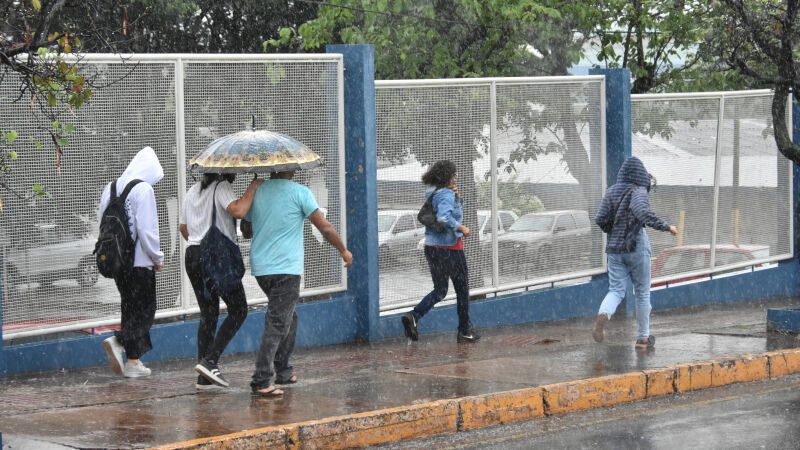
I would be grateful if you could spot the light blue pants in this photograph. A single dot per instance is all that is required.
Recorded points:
(624, 268)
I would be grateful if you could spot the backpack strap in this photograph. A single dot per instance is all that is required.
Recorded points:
(125, 191)
(616, 211)
(214, 205)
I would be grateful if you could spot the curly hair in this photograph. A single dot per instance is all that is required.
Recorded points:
(439, 173)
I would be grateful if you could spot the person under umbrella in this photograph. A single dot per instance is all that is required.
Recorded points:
(213, 191)
(275, 223)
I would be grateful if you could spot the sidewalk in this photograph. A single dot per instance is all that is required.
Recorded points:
(355, 394)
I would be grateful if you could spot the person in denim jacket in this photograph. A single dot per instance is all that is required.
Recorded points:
(623, 214)
(445, 252)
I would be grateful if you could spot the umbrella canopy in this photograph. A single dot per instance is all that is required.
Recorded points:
(255, 151)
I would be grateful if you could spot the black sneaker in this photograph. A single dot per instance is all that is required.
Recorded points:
(204, 385)
(410, 324)
(210, 371)
(469, 336)
(646, 343)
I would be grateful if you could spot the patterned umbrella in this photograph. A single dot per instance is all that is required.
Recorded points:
(254, 151)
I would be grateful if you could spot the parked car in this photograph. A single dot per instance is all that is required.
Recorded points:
(689, 258)
(48, 252)
(545, 240)
(505, 219)
(398, 234)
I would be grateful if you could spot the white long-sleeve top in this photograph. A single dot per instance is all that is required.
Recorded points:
(140, 206)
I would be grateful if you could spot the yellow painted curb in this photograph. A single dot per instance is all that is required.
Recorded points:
(594, 392)
(385, 425)
(777, 364)
(741, 369)
(792, 360)
(660, 381)
(692, 376)
(503, 407)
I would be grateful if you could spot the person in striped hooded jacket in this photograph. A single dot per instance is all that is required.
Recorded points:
(623, 214)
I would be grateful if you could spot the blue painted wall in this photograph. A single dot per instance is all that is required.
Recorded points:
(784, 319)
(319, 323)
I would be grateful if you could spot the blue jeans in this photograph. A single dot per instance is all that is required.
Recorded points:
(624, 268)
(447, 265)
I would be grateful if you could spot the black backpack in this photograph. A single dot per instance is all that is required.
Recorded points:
(115, 248)
(427, 216)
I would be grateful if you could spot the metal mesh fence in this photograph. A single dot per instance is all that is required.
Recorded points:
(544, 170)
(713, 153)
(297, 98)
(49, 279)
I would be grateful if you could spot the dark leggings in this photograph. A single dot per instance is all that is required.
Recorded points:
(447, 264)
(209, 346)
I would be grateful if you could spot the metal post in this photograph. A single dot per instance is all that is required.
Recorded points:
(717, 169)
(180, 131)
(495, 199)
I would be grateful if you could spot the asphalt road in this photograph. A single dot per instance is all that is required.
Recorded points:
(758, 415)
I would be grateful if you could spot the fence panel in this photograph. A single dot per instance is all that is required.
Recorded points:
(547, 166)
(49, 282)
(713, 152)
(295, 97)
(49, 279)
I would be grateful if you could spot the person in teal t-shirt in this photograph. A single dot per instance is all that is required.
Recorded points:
(275, 222)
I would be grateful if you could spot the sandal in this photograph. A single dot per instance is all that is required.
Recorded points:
(290, 380)
(274, 392)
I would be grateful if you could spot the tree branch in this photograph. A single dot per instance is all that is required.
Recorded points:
(755, 33)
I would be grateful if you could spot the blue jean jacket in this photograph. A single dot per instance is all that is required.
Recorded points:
(448, 211)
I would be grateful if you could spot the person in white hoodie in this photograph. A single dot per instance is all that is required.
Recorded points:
(137, 288)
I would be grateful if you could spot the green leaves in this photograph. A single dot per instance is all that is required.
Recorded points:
(10, 136)
(40, 191)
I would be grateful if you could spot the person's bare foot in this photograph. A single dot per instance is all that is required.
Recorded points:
(271, 391)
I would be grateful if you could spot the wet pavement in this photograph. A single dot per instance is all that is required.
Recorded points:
(94, 408)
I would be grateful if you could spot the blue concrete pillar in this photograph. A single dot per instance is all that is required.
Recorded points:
(618, 119)
(361, 183)
(618, 137)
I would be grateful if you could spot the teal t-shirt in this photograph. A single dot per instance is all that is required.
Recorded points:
(279, 209)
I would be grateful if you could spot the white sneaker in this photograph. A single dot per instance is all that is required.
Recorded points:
(139, 370)
(114, 352)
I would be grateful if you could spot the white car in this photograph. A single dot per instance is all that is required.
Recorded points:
(506, 219)
(398, 233)
(46, 253)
